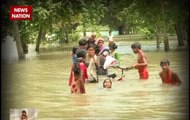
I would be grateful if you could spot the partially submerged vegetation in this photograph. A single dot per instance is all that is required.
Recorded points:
(61, 22)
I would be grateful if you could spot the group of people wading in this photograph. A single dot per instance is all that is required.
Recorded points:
(91, 58)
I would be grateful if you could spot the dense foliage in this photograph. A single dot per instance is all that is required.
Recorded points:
(61, 21)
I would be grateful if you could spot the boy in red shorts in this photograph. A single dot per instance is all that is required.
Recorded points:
(141, 64)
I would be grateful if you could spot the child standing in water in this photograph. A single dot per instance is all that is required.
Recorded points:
(141, 64)
(93, 63)
(78, 74)
(167, 75)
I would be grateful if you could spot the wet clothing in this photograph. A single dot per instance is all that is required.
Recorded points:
(101, 70)
(170, 77)
(77, 81)
(143, 70)
(92, 69)
(77, 85)
(83, 70)
(110, 61)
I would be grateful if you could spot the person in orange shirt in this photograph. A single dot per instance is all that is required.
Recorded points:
(167, 75)
(141, 64)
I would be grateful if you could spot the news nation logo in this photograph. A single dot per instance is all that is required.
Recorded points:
(20, 12)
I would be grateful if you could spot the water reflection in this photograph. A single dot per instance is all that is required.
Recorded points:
(41, 82)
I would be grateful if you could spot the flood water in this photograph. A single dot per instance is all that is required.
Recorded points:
(41, 82)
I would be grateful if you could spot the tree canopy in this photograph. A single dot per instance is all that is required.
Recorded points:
(60, 19)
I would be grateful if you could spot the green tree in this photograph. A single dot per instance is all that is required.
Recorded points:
(12, 28)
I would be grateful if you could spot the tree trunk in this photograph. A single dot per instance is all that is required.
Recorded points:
(166, 42)
(25, 47)
(21, 54)
(43, 37)
(157, 41)
(66, 34)
(183, 32)
(156, 31)
(179, 34)
(121, 30)
(84, 30)
(84, 33)
(38, 41)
